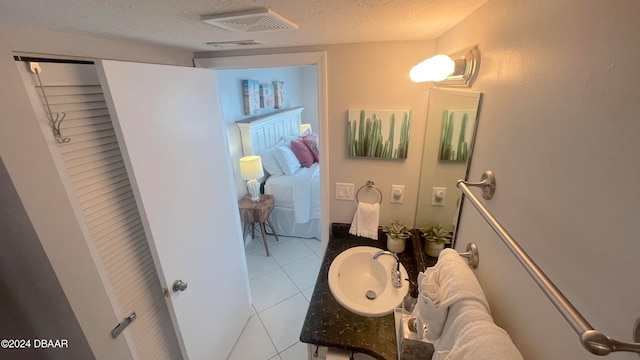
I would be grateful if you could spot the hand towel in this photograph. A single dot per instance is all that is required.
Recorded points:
(365, 220)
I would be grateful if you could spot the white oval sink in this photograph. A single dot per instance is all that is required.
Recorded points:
(363, 285)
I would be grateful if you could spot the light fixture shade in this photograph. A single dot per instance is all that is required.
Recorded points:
(305, 129)
(466, 66)
(251, 167)
(435, 68)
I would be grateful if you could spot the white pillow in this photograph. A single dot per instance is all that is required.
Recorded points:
(270, 163)
(287, 160)
(286, 139)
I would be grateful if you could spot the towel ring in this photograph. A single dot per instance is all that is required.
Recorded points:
(369, 184)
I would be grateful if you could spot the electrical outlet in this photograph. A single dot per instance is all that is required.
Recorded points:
(438, 195)
(344, 191)
(397, 194)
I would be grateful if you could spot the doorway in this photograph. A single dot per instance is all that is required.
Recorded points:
(281, 285)
(317, 59)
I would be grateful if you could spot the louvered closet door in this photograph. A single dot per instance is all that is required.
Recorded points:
(95, 168)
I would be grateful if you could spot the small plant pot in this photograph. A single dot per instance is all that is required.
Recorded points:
(395, 244)
(433, 248)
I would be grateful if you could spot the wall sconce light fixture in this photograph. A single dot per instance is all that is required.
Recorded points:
(459, 70)
(250, 170)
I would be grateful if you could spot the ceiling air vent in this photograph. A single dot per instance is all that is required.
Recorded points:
(255, 20)
(228, 44)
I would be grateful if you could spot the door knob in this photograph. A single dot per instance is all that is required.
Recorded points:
(179, 285)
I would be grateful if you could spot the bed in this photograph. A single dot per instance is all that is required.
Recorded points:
(294, 183)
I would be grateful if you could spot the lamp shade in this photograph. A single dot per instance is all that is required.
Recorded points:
(305, 129)
(251, 167)
(435, 68)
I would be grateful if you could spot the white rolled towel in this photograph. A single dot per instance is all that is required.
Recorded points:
(448, 282)
(431, 312)
(428, 312)
(429, 276)
(482, 340)
(460, 317)
(457, 281)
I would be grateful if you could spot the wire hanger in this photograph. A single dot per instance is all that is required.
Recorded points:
(54, 121)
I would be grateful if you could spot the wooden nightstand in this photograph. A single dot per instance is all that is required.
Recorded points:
(252, 212)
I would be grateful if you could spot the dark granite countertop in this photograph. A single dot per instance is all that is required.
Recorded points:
(329, 324)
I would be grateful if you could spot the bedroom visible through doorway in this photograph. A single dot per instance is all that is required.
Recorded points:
(289, 158)
(312, 64)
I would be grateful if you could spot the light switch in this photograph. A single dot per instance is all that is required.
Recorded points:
(344, 191)
(438, 195)
(397, 194)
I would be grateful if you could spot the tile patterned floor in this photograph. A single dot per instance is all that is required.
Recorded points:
(281, 286)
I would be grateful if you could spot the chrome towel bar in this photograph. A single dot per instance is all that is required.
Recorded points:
(472, 256)
(594, 341)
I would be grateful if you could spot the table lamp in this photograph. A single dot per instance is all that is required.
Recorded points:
(250, 170)
(305, 129)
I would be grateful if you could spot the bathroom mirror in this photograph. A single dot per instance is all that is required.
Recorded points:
(448, 145)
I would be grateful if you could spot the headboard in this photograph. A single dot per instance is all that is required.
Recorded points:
(262, 132)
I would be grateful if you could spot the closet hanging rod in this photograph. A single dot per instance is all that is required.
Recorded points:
(594, 341)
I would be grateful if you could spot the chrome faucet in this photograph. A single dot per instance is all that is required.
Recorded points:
(396, 279)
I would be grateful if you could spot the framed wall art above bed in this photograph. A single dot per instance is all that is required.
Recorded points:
(251, 96)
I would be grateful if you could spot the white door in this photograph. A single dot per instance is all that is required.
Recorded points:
(167, 121)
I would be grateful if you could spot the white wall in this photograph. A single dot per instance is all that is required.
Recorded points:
(376, 76)
(309, 94)
(297, 91)
(32, 305)
(230, 88)
(24, 151)
(559, 127)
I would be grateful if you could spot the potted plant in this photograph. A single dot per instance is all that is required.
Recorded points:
(397, 235)
(435, 237)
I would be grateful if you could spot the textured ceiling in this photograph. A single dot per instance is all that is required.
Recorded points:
(177, 22)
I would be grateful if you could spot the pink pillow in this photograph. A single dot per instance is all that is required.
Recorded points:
(303, 153)
(311, 141)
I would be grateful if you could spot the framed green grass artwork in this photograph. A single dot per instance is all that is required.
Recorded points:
(457, 132)
(379, 133)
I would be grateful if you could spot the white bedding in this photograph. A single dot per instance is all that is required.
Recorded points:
(299, 192)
